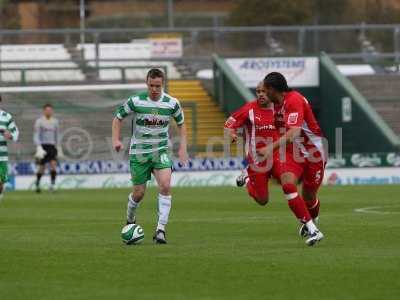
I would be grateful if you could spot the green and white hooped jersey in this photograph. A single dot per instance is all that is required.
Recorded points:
(150, 134)
(6, 123)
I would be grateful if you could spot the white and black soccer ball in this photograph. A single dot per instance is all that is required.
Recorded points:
(132, 234)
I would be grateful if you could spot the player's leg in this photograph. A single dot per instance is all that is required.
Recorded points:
(312, 202)
(257, 185)
(243, 178)
(163, 178)
(312, 180)
(39, 174)
(41, 165)
(134, 199)
(289, 172)
(3, 177)
(140, 168)
(162, 172)
(53, 174)
(295, 201)
(298, 207)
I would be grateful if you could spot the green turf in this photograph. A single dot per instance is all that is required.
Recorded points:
(221, 246)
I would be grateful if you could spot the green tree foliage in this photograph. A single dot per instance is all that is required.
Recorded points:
(378, 11)
(9, 18)
(307, 12)
(329, 11)
(271, 12)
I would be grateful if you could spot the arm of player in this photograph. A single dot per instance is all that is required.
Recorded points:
(235, 121)
(294, 118)
(285, 139)
(230, 131)
(116, 134)
(182, 152)
(12, 132)
(122, 112)
(36, 139)
(179, 118)
(60, 152)
(40, 152)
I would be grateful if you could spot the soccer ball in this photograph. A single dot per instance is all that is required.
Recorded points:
(132, 234)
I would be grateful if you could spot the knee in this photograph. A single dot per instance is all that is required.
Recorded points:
(290, 191)
(165, 189)
(138, 195)
(263, 200)
(289, 188)
(308, 194)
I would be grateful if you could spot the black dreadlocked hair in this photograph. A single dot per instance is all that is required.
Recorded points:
(277, 81)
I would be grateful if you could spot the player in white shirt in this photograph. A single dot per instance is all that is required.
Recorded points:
(47, 140)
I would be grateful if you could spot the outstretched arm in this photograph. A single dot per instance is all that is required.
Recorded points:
(294, 117)
(232, 132)
(122, 112)
(285, 139)
(116, 134)
(235, 121)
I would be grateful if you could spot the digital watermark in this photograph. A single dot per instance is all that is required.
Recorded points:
(79, 144)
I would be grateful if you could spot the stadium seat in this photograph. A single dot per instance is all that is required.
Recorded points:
(138, 52)
(15, 57)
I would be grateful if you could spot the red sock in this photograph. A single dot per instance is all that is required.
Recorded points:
(258, 191)
(251, 189)
(313, 208)
(296, 203)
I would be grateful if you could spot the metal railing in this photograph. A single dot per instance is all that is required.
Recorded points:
(341, 41)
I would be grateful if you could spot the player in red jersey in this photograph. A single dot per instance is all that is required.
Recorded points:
(305, 154)
(257, 119)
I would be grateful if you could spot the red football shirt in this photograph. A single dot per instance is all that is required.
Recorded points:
(297, 112)
(258, 124)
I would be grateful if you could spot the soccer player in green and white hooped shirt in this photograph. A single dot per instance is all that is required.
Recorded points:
(8, 131)
(149, 151)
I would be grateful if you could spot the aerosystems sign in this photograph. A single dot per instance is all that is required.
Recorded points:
(299, 71)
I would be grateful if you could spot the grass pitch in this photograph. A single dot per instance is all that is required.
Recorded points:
(221, 246)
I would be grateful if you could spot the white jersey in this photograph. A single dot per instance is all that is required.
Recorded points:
(46, 131)
(152, 121)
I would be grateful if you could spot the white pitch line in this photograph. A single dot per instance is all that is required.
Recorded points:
(375, 210)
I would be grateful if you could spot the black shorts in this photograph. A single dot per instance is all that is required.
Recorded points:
(51, 154)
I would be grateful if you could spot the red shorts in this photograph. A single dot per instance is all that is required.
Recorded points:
(310, 172)
(259, 174)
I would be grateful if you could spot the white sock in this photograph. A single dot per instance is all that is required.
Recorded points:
(131, 208)
(164, 207)
(161, 227)
(311, 227)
